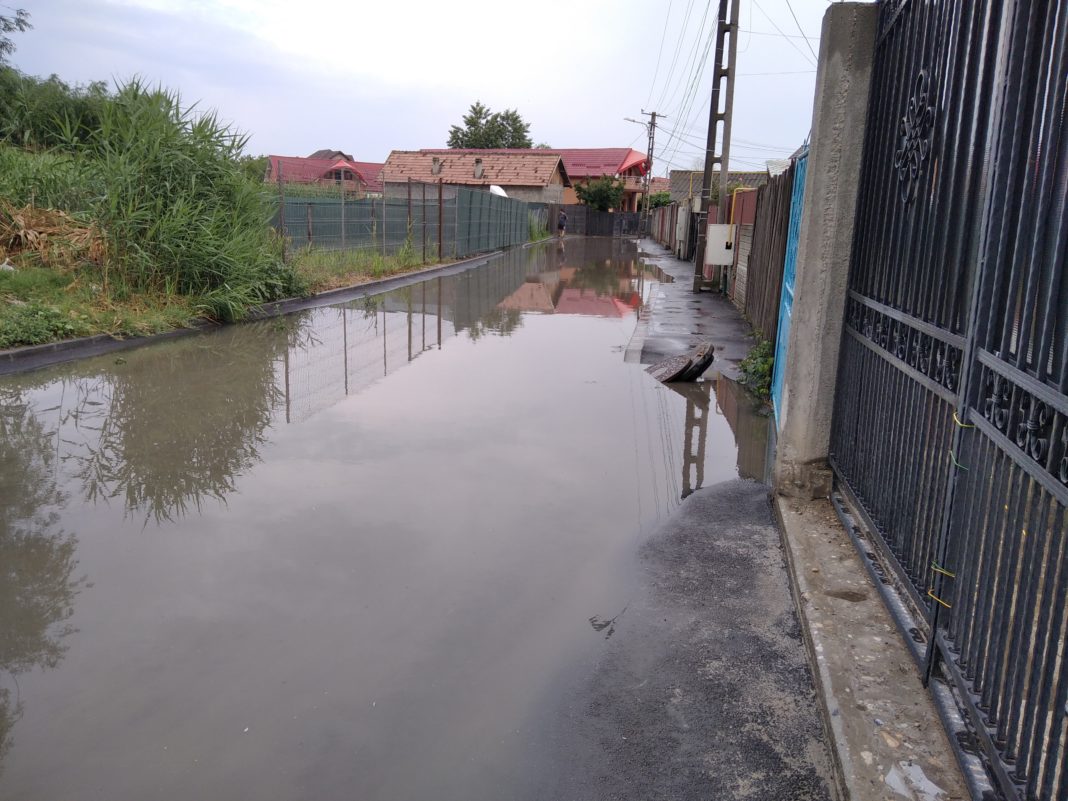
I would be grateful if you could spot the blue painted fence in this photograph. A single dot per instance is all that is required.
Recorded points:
(786, 302)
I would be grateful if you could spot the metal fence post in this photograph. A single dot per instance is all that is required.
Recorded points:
(409, 230)
(422, 216)
(282, 211)
(342, 211)
(441, 219)
(308, 214)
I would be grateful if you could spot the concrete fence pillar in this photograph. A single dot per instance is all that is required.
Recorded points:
(839, 115)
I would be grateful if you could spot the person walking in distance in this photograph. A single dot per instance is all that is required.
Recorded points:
(561, 223)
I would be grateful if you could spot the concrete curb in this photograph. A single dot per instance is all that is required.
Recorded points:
(34, 357)
(888, 739)
(821, 680)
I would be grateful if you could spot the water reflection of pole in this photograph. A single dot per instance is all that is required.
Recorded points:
(693, 458)
(408, 295)
(439, 314)
(345, 344)
(285, 368)
(385, 368)
(424, 315)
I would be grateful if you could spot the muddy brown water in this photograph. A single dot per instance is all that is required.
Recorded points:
(343, 554)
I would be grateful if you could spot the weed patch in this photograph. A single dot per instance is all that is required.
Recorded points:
(757, 368)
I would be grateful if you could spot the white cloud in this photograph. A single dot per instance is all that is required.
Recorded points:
(370, 77)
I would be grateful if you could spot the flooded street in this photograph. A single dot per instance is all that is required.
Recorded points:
(357, 552)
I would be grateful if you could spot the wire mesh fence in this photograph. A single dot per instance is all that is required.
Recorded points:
(431, 222)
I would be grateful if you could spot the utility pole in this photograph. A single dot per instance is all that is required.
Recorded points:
(650, 129)
(647, 211)
(725, 30)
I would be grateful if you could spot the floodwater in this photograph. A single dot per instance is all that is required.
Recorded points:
(350, 553)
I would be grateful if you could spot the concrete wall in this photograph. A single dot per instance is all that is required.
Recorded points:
(839, 115)
(553, 193)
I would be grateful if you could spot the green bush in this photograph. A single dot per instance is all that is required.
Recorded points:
(757, 368)
(163, 181)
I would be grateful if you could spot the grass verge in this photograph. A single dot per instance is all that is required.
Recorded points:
(40, 304)
(321, 270)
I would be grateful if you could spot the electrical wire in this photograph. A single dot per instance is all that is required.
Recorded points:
(790, 40)
(675, 58)
(797, 22)
(659, 53)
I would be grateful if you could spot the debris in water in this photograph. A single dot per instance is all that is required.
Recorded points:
(684, 368)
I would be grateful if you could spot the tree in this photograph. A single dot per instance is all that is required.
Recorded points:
(658, 199)
(603, 193)
(484, 128)
(255, 167)
(18, 23)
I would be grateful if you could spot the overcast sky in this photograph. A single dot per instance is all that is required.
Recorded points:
(370, 77)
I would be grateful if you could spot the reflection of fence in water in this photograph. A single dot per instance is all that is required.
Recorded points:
(351, 347)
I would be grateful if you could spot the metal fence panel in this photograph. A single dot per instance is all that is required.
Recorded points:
(768, 253)
(951, 418)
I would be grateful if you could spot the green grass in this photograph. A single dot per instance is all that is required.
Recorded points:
(320, 270)
(537, 230)
(39, 305)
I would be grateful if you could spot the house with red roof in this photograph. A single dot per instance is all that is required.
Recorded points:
(523, 173)
(326, 168)
(589, 163)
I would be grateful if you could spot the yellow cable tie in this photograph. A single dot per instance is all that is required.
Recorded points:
(939, 569)
(955, 462)
(930, 592)
(958, 422)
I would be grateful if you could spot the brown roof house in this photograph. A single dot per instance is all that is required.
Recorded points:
(533, 175)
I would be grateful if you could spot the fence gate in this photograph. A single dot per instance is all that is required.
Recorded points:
(951, 418)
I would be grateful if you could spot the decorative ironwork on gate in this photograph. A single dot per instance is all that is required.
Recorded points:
(951, 417)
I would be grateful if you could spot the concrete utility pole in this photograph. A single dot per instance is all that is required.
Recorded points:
(649, 166)
(715, 116)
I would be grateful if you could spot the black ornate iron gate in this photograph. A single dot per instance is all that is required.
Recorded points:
(951, 418)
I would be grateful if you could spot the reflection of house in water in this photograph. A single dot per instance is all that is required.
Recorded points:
(591, 303)
(348, 347)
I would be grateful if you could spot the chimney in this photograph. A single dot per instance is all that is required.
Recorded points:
(479, 170)
(435, 167)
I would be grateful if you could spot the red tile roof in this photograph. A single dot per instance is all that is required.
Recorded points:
(593, 162)
(299, 170)
(371, 173)
(504, 167)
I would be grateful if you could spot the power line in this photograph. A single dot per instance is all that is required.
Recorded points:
(797, 22)
(684, 116)
(772, 33)
(675, 58)
(660, 52)
(692, 69)
(784, 72)
(785, 36)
